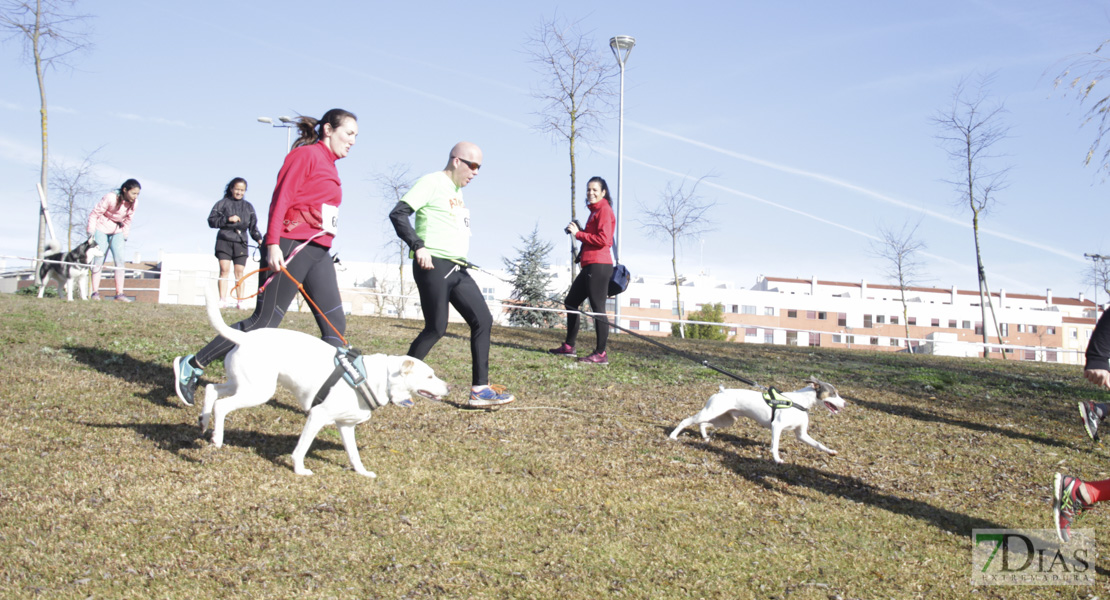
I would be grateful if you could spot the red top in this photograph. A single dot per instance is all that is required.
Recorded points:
(307, 180)
(597, 237)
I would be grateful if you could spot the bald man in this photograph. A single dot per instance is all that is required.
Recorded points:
(438, 246)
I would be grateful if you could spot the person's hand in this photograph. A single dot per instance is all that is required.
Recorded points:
(573, 228)
(1099, 377)
(424, 259)
(233, 219)
(275, 258)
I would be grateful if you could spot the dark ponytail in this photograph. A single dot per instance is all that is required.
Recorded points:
(312, 130)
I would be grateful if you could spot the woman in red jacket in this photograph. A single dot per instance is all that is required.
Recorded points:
(597, 268)
(303, 219)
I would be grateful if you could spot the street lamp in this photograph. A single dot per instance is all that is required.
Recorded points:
(287, 122)
(622, 47)
(1096, 258)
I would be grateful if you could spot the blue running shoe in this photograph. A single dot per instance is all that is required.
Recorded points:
(185, 378)
(490, 396)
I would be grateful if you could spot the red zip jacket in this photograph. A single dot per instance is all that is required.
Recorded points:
(597, 237)
(307, 180)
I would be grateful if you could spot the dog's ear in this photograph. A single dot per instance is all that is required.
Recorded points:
(408, 364)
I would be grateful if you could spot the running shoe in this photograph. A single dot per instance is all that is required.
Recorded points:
(185, 378)
(490, 396)
(1088, 411)
(1067, 504)
(95, 296)
(564, 350)
(121, 298)
(597, 358)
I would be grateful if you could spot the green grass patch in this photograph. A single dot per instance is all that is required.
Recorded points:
(107, 489)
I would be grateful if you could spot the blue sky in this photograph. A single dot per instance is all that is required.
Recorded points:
(813, 118)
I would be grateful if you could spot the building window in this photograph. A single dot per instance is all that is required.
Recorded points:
(768, 338)
(935, 323)
(814, 338)
(822, 316)
(1032, 329)
(1021, 328)
(790, 314)
(1005, 329)
(867, 321)
(751, 332)
(1050, 356)
(811, 314)
(769, 311)
(874, 341)
(895, 342)
(611, 305)
(952, 323)
(654, 326)
(893, 320)
(1050, 329)
(791, 338)
(836, 338)
(747, 310)
(978, 328)
(880, 319)
(674, 307)
(842, 319)
(633, 324)
(911, 320)
(634, 303)
(1030, 355)
(735, 309)
(655, 304)
(487, 293)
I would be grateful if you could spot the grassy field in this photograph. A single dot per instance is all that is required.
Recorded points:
(107, 489)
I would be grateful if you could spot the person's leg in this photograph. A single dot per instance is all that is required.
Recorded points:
(599, 276)
(433, 290)
(98, 264)
(471, 304)
(221, 283)
(115, 244)
(579, 291)
(321, 285)
(238, 291)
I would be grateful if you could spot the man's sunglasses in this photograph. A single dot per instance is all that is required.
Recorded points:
(473, 165)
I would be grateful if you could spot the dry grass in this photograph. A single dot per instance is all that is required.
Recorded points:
(106, 490)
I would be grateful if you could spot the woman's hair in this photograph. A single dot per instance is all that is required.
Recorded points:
(127, 185)
(231, 184)
(604, 188)
(312, 130)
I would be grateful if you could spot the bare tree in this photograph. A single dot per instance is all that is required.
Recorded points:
(51, 34)
(577, 92)
(1098, 275)
(680, 214)
(970, 129)
(75, 187)
(393, 185)
(902, 267)
(1081, 76)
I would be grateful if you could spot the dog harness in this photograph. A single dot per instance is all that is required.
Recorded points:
(349, 367)
(776, 400)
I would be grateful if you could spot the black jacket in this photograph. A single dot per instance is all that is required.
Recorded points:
(1098, 349)
(233, 232)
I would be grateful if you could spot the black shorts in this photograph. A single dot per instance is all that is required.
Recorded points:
(236, 252)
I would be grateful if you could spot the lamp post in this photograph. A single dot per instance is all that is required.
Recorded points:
(287, 122)
(622, 47)
(1096, 258)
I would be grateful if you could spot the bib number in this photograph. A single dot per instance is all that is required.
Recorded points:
(330, 216)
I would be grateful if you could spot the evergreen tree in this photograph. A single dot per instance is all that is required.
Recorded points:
(530, 280)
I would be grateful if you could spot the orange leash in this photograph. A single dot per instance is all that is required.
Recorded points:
(303, 293)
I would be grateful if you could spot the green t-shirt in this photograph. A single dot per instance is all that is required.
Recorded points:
(442, 219)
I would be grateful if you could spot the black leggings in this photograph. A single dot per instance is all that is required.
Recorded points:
(315, 269)
(449, 284)
(593, 283)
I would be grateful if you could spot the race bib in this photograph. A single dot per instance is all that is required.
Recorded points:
(330, 216)
(463, 216)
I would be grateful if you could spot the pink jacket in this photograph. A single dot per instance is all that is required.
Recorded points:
(111, 215)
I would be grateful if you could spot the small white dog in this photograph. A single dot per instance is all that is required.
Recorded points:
(726, 406)
(301, 363)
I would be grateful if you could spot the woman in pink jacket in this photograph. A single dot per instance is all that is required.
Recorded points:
(110, 224)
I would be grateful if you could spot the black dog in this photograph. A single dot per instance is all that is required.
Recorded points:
(65, 269)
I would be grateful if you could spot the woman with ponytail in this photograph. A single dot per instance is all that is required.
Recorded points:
(110, 225)
(302, 223)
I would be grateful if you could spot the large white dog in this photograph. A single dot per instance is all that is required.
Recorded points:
(302, 364)
(726, 406)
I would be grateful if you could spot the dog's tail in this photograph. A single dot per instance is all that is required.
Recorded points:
(211, 302)
(52, 246)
